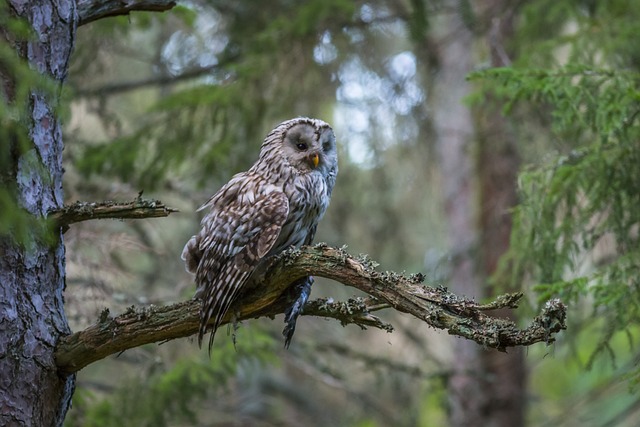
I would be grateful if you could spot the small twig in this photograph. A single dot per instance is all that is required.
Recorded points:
(356, 311)
(83, 211)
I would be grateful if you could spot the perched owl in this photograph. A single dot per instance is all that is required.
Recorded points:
(276, 204)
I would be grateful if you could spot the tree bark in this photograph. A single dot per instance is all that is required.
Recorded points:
(455, 132)
(498, 166)
(32, 272)
(85, 211)
(92, 10)
(480, 166)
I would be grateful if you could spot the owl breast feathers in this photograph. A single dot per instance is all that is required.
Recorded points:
(276, 204)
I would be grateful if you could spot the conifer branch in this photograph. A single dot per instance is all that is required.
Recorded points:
(156, 80)
(84, 211)
(436, 306)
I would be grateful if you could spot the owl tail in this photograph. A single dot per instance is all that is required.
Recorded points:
(218, 297)
(300, 291)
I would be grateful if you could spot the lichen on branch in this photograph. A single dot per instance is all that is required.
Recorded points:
(84, 211)
(436, 306)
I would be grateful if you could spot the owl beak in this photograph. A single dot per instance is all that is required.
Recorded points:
(315, 159)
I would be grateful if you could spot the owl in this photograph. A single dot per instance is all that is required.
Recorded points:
(259, 213)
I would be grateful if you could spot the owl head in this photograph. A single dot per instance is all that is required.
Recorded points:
(307, 145)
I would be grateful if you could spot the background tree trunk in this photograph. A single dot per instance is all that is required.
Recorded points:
(479, 187)
(498, 165)
(455, 132)
(32, 274)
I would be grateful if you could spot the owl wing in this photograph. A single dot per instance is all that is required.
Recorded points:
(234, 239)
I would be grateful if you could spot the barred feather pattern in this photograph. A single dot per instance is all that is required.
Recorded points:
(259, 213)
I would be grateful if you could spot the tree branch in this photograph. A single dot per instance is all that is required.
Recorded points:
(83, 211)
(92, 10)
(158, 80)
(266, 297)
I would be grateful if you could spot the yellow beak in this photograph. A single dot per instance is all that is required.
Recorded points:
(314, 159)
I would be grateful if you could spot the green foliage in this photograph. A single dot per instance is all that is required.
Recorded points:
(14, 101)
(596, 32)
(585, 101)
(576, 231)
(117, 158)
(18, 158)
(591, 394)
(19, 224)
(308, 19)
(592, 190)
(201, 121)
(174, 394)
(418, 21)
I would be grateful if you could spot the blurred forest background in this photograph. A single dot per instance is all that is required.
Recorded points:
(492, 145)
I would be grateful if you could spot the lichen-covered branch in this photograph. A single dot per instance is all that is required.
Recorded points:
(355, 311)
(435, 305)
(139, 326)
(83, 211)
(92, 10)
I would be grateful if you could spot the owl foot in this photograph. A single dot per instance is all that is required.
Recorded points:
(300, 290)
(235, 325)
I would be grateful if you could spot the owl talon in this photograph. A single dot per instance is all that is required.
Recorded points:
(300, 291)
(235, 325)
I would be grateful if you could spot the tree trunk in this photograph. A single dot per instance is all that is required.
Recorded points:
(455, 132)
(32, 272)
(498, 164)
(486, 388)
(498, 160)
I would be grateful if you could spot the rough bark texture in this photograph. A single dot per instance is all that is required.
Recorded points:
(84, 211)
(455, 132)
(32, 275)
(92, 10)
(435, 306)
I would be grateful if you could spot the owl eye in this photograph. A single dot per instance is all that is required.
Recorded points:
(326, 146)
(301, 146)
